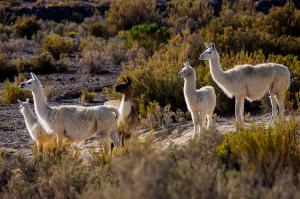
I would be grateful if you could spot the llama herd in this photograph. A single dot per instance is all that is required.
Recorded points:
(116, 119)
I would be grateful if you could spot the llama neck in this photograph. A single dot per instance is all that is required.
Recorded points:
(29, 117)
(189, 86)
(125, 106)
(40, 105)
(216, 71)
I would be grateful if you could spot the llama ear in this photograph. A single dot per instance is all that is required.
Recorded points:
(206, 44)
(124, 79)
(19, 101)
(213, 46)
(27, 100)
(33, 76)
(188, 64)
(128, 80)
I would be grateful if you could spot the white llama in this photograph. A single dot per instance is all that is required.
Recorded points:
(34, 128)
(251, 82)
(200, 103)
(128, 119)
(76, 123)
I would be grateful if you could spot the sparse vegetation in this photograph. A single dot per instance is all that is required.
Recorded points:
(87, 96)
(189, 171)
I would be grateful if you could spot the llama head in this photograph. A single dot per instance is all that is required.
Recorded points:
(24, 106)
(124, 87)
(187, 71)
(31, 84)
(209, 53)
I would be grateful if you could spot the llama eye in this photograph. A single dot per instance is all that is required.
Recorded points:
(29, 82)
(209, 52)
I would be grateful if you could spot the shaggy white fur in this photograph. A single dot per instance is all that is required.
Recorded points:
(200, 103)
(76, 123)
(251, 82)
(128, 119)
(33, 126)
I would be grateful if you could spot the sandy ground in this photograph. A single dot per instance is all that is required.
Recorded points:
(15, 139)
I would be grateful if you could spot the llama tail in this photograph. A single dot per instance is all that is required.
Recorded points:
(116, 111)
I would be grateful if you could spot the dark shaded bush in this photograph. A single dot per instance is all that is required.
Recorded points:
(58, 45)
(98, 29)
(7, 69)
(26, 26)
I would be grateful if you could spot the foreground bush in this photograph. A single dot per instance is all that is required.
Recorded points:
(269, 153)
(140, 171)
(26, 26)
(58, 45)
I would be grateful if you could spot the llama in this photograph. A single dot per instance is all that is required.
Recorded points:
(200, 103)
(128, 116)
(251, 82)
(76, 123)
(34, 128)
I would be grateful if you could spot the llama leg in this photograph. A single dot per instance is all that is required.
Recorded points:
(38, 147)
(57, 141)
(115, 138)
(238, 120)
(242, 114)
(274, 110)
(195, 122)
(210, 121)
(280, 102)
(201, 124)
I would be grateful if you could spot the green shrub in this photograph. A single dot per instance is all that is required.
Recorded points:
(26, 26)
(11, 92)
(148, 35)
(123, 15)
(268, 152)
(88, 97)
(57, 45)
(41, 64)
(7, 69)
